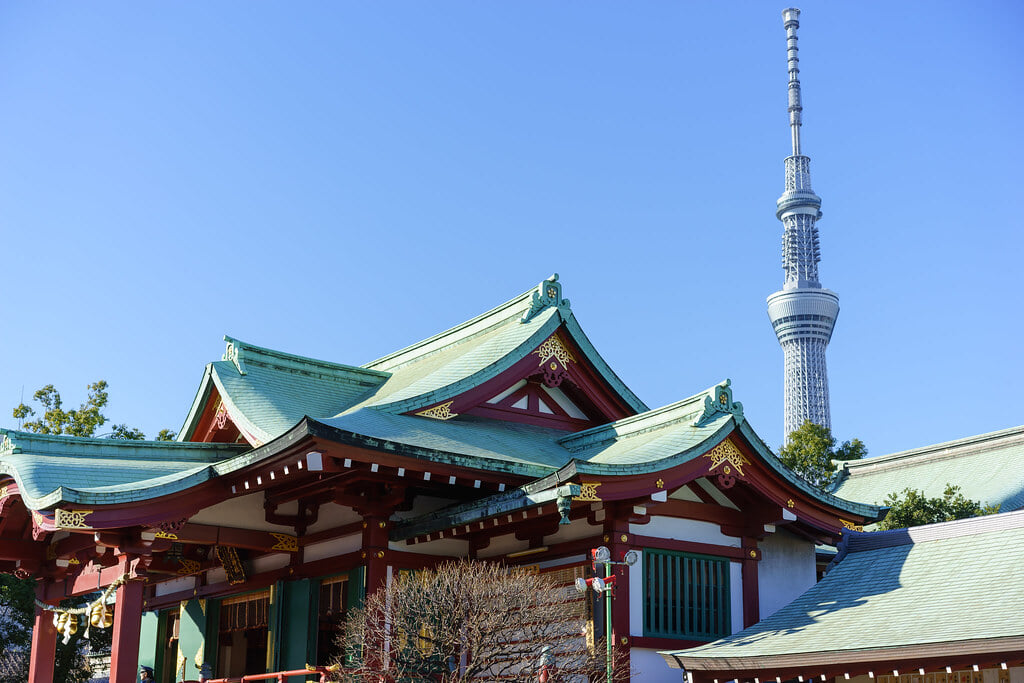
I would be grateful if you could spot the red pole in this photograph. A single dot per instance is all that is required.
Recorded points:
(124, 649)
(44, 645)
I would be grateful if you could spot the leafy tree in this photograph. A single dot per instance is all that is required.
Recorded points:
(811, 449)
(17, 614)
(469, 621)
(911, 507)
(81, 422)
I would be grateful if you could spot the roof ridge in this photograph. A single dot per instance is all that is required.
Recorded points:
(639, 423)
(475, 326)
(14, 442)
(937, 451)
(239, 353)
(874, 540)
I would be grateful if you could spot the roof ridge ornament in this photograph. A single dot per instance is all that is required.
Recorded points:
(721, 403)
(548, 293)
(233, 353)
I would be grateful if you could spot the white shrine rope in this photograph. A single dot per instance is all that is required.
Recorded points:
(104, 599)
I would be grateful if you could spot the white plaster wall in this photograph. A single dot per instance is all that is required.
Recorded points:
(185, 583)
(243, 512)
(684, 530)
(502, 545)
(785, 571)
(332, 548)
(575, 559)
(453, 547)
(269, 563)
(332, 515)
(571, 532)
(735, 596)
(650, 667)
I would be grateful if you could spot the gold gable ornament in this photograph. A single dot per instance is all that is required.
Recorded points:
(588, 492)
(725, 457)
(442, 411)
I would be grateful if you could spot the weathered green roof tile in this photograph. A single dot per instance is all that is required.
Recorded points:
(53, 469)
(892, 589)
(986, 467)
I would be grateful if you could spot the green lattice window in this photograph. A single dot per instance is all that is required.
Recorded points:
(685, 595)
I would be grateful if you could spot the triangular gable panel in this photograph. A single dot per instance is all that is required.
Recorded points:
(554, 385)
(215, 424)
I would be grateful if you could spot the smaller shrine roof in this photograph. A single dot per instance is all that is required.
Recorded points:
(51, 469)
(890, 595)
(985, 467)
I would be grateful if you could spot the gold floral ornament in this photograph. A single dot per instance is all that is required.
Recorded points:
(188, 566)
(285, 542)
(442, 411)
(588, 492)
(847, 524)
(726, 452)
(71, 519)
(660, 483)
(554, 348)
(791, 503)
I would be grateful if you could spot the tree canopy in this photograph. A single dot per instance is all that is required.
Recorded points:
(911, 507)
(83, 421)
(811, 449)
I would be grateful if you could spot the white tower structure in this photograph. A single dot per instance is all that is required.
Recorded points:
(803, 314)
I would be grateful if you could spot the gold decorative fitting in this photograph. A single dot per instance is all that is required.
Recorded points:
(624, 640)
(850, 525)
(791, 503)
(726, 452)
(753, 553)
(588, 491)
(363, 554)
(3, 491)
(74, 560)
(285, 542)
(71, 519)
(233, 568)
(623, 538)
(382, 524)
(442, 411)
(166, 534)
(380, 554)
(554, 348)
(607, 538)
(660, 483)
(188, 566)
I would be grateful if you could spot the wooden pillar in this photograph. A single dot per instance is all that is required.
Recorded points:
(124, 649)
(375, 547)
(751, 597)
(44, 644)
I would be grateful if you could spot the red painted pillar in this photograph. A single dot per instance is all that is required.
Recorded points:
(375, 546)
(751, 597)
(124, 650)
(44, 645)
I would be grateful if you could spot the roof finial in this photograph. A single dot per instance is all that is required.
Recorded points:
(791, 17)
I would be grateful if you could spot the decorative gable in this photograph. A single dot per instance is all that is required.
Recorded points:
(552, 386)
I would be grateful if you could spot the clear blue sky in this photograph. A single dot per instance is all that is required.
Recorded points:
(341, 179)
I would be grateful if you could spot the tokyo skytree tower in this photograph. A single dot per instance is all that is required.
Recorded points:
(803, 314)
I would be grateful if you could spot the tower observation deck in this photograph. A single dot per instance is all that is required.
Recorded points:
(803, 313)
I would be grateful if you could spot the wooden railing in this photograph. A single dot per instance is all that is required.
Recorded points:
(280, 676)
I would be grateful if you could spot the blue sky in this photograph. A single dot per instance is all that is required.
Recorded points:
(339, 180)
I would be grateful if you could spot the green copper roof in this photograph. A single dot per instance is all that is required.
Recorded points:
(53, 469)
(267, 392)
(986, 467)
(897, 589)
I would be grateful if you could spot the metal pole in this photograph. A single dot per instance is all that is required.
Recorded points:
(608, 621)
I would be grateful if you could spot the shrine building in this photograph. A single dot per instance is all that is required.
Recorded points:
(297, 485)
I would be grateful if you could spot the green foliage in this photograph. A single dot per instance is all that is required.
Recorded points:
(811, 450)
(912, 508)
(127, 433)
(81, 422)
(56, 420)
(17, 614)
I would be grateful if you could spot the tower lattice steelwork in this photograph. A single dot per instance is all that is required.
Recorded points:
(804, 313)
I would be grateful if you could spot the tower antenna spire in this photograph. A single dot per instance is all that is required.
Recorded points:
(791, 18)
(803, 313)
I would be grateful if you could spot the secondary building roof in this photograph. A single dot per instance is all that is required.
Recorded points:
(900, 599)
(985, 467)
